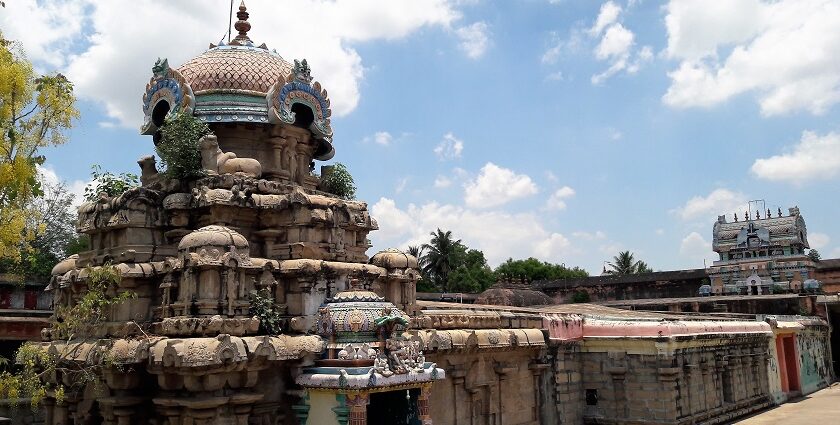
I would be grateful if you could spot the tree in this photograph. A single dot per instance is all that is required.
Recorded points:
(642, 267)
(53, 216)
(339, 182)
(814, 255)
(35, 112)
(416, 251)
(626, 263)
(532, 269)
(178, 148)
(440, 258)
(471, 273)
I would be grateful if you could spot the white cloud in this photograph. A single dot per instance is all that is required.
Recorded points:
(119, 44)
(382, 138)
(786, 52)
(616, 44)
(718, 202)
(814, 157)
(475, 39)
(497, 186)
(589, 236)
(557, 200)
(412, 225)
(76, 187)
(818, 240)
(615, 134)
(442, 182)
(401, 184)
(449, 148)
(660, 231)
(44, 28)
(550, 176)
(694, 247)
(606, 16)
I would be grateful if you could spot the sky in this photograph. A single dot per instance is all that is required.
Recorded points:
(564, 130)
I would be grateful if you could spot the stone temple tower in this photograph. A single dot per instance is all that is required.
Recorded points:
(187, 347)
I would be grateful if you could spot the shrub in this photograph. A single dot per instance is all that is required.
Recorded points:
(108, 183)
(178, 147)
(339, 182)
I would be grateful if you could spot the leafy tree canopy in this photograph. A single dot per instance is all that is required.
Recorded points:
(35, 112)
(532, 269)
(53, 213)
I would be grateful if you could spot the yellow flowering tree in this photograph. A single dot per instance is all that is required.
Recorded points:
(35, 112)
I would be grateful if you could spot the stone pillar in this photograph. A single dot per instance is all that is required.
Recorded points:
(358, 409)
(423, 404)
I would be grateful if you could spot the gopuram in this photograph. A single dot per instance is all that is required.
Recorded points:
(354, 346)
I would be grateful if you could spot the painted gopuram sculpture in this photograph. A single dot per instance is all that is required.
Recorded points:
(187, 348)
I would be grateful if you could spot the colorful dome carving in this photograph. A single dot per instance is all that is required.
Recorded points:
(235, 68)
(354, 316)
(240, 82)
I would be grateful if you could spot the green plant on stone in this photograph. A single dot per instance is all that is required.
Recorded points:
(339, 182)
(267, 311)
(179, 149)
(108, 183)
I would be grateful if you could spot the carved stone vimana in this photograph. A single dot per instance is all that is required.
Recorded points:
(186, 350)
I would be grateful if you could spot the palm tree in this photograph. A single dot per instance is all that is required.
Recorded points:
(626, 263)
(439, 257)
(416, 251)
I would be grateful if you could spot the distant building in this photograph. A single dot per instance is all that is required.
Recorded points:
(760, 255)
(24, 311)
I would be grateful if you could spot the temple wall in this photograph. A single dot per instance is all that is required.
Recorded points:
(487, 388)
(568, 385)
(814, 369)
(691, 381)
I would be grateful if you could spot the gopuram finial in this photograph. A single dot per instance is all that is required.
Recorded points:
(242, 25)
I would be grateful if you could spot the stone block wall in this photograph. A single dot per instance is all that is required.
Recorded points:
(568, 384)
(699, 382)
(487, 387)
(815, 370)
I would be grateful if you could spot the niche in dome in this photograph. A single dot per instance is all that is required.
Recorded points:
(303, 115)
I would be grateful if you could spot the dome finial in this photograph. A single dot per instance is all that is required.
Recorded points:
(242, 25)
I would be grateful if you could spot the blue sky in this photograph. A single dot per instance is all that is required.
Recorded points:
(566, 130)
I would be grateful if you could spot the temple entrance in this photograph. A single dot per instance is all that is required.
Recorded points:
(394, 408)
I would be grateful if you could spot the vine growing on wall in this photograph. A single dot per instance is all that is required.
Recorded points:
(179, 149)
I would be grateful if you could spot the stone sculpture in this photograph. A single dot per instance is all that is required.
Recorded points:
(214, 161)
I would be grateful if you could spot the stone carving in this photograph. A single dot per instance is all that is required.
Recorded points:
(148, 170)
(214, 161)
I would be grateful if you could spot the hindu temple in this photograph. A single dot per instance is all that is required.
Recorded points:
(352, 344)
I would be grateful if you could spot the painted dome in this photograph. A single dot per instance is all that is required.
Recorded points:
(238, 82)
(235, 68)
(355, 315)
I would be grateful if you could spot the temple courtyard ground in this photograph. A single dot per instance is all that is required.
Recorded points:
(819, 408)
